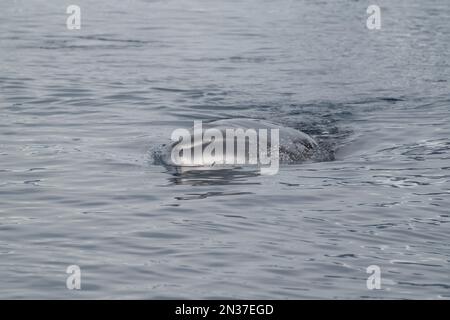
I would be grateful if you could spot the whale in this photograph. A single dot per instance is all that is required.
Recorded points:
(294, 146)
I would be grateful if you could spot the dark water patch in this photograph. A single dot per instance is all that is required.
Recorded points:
(226, 177)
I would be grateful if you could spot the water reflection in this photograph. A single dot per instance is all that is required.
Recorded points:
(213, 177)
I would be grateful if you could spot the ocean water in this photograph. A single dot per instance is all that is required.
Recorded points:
(82, 111)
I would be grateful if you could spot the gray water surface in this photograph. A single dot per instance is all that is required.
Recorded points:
(82, 112)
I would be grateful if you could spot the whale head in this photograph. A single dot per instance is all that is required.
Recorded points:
(254, 142)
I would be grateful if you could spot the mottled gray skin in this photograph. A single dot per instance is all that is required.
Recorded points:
(295, 146)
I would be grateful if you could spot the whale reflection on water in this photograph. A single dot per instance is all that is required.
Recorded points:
(213, 177)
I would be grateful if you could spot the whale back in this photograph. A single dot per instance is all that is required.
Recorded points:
(294, 145)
